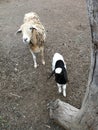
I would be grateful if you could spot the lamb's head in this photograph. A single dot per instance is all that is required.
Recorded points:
(27, 30)
(58, 70)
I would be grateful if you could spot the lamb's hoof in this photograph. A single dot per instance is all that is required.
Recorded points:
(60, 90)
(64, 94)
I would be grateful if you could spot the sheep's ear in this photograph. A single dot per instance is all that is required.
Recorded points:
(19, 31)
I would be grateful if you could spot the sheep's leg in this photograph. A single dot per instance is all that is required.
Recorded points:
(59, 88)
(64, 90)
(34, 59)
(42, 55)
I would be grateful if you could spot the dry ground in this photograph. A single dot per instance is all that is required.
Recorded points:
(25, 91)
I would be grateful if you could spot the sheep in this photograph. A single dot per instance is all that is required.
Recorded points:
(34, 34)
(60, 71)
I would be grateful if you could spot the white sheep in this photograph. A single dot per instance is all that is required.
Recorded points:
(33, 34)
(59, 69)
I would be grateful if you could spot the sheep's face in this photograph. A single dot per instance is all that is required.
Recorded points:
(27, 31)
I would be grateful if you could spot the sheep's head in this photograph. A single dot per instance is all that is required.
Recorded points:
(26, 29)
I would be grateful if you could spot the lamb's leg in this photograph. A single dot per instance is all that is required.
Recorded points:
(34, 59)
(59, 88)
(64, 90)
(42, 55)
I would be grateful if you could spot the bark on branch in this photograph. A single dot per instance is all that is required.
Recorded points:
(62, 113)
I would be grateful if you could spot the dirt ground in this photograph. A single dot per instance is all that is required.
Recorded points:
(25, 91)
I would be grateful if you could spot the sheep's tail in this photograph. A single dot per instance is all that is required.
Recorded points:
(51, 75)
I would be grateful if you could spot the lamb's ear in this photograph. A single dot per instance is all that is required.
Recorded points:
(51, 74)
(19, 31)
(66, 76)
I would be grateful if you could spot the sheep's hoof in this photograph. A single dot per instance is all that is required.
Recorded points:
(35, 66)
(43, 62)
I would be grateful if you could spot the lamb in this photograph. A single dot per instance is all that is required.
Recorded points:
(60, 71)
(34, 34)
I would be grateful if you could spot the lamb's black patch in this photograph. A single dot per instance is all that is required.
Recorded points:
(62, 77)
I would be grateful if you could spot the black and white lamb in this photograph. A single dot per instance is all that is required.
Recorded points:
(60, 72)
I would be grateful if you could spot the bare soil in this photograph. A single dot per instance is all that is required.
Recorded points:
(25, 91)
